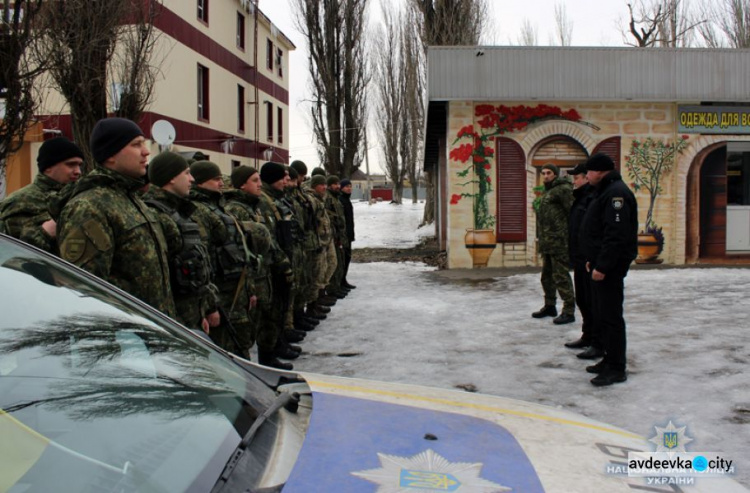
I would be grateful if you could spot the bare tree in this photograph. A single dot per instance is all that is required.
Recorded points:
(413, 87)
(661, 23)
(447, 23)
(339, 73)
(563, 25)
(134, 66)
(81, 41)
(17, 75)
(528, 35)
(389, 100)
(728, 24)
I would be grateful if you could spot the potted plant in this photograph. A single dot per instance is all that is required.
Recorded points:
(648, 162)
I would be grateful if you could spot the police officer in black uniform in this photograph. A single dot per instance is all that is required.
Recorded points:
(582, 194)
(609, 239)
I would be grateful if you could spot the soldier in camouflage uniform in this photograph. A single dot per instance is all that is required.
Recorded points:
(305, 214)
(190, 268)
(229, 260)
(104, 226)
(325, 258)
(243, 203)
(340, 239)
(26, 212)
(552, 233)
(280, 214)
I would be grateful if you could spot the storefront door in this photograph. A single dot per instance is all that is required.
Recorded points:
(738, 197)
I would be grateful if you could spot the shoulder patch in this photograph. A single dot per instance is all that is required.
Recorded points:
(96, 234)
(74, 245)
(617, 203)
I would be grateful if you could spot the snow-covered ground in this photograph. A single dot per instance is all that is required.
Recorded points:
(688, 341)
(388, 225)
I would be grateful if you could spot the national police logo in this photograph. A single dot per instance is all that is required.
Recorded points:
(428, 471)
(670, 438)
(617, 203)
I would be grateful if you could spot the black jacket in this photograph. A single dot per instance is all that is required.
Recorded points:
(346, 202)
(609, 232)
(581, 199)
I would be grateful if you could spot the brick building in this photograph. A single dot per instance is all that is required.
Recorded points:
(497, 114)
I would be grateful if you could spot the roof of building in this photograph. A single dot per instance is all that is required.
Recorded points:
(495, 73)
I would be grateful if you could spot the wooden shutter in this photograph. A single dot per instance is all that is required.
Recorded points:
(511, 191)
(610, 147)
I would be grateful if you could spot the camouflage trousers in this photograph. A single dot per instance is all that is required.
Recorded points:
(331, 264)
(334, 283)
(556, 279)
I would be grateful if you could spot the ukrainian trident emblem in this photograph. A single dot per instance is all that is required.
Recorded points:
(671, 439)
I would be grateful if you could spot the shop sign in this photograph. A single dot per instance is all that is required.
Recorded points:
(713, 119)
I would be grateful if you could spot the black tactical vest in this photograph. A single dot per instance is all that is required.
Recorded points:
(189, 269)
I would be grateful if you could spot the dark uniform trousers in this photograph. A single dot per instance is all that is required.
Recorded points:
(607, 298)
(582, 282)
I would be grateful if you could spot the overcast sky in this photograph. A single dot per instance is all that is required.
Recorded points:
(594, 24)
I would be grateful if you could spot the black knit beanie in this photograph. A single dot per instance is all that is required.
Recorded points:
(165, 166)
(272, 172)
(55, 151)
(345, 182)
(600, 162)
(203, 171)
(299, 167)
(241, 174)
(554, 169)
(318, 171)
(332, 179)
(292, 173)
(110, 136)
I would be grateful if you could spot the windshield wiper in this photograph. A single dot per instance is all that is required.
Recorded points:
(285, 400)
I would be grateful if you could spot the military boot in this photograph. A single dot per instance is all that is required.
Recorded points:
(293, 335)
(301, 322)
(326, 300)
(285, 351)
(267, 358)
(347, 285)
(312, 312)
(545, 311)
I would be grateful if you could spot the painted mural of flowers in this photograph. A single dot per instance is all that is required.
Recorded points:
(477, 152)
(647, 163)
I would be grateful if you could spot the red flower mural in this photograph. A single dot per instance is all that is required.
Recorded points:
(494, 121)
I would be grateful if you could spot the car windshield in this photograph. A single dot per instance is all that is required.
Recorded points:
(98, 393)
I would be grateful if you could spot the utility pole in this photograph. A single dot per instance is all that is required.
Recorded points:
(367, 167)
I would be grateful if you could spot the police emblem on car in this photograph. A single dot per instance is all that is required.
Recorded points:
(617, 203)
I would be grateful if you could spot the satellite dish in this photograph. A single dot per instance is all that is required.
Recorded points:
(163, 132)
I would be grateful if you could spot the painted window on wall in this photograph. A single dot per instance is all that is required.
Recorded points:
(511, 191)
(280, 124)
(279, 60)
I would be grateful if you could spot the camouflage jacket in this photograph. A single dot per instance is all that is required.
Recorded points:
(306, 218)
(273, 215)
(338, 220)
(25, 210)
(106, 228)
(245, 208)
(552, 217)
(200, 299)
(322, 219)
(232, 291)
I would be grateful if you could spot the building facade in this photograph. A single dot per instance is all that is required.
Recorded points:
(223, 85)
(675, 121)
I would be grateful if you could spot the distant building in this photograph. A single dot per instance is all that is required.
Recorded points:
(497, 114)
(226, 97)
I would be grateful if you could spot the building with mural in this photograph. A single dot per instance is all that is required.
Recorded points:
(223, 85)
(675, 121)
